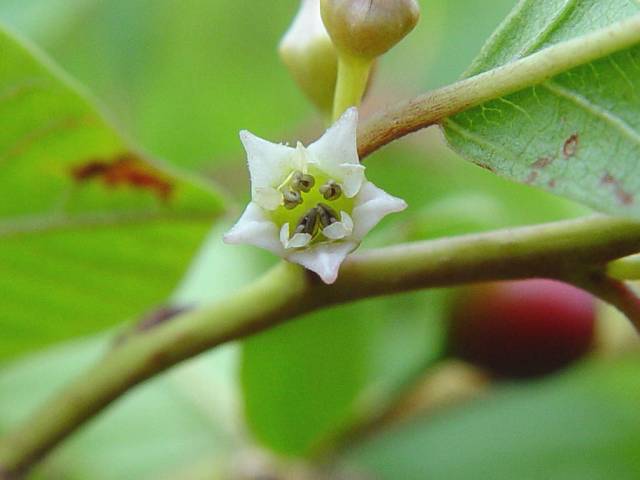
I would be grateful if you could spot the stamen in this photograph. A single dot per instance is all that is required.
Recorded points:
(302, 182)
(326, 214)
(331, 190)
(291, 199)
(308, 223)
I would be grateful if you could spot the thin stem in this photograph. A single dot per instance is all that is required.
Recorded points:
(353, 76)
(280, 294)
(552, 250)
(431, 108)
(625, 268)
(613, 291)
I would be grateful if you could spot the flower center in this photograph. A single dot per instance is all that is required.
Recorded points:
(310, 202)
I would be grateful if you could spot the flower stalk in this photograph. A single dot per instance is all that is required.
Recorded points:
(353, 78)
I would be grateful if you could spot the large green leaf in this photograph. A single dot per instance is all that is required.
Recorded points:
(170, 424)
(184, 76)
(306, 381)
(577, 134)
(91, 231)
(179, 423)
(582, 425)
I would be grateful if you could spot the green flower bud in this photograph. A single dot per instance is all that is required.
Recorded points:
(368, 28)
(310, 55)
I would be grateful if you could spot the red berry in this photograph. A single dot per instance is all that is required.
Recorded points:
(523, 328)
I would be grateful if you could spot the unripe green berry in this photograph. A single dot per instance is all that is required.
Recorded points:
(368, 28)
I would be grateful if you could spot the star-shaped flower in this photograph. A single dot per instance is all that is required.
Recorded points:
(311, 205)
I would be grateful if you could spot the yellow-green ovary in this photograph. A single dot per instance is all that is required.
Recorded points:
(310, 200)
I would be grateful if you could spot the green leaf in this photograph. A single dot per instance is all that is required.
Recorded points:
(200, 71)
(170, 424)
(584, 424)
(182, 423)
(577, 134)
(304, 383)
(91, 231)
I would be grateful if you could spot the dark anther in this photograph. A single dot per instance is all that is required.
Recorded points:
(291, 199)
(308, 223)
(302, 182)
(326, 214)
(331, 190)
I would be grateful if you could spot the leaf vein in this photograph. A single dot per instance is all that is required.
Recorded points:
(36, 224)
(544, 34)
(51, 127)
(595, 110)
(479, 140)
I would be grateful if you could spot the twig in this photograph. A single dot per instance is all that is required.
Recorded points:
(552, 250)
(613, 291)
(431, 108)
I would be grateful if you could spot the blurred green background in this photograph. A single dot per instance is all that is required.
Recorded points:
(181, 78)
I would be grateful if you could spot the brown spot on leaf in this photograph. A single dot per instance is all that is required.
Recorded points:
(542, 162)
(125, 169)
(570, 147)
(607, 179)
(624, 197)
(533, 176)
(486, 167)
(552, 183)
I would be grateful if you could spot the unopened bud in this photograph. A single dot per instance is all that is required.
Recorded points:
(310, 55)
(368, 28)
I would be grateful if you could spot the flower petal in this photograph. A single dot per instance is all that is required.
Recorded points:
(269, 163)
(351, 178)
(336, 153)
(267, 197)
(298, 240)
(372, 205)
(255, 228)
(324, 258)
(339, 230)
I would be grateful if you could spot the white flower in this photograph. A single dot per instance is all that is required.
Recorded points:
(311, 205)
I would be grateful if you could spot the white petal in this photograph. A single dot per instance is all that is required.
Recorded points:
(267, 197)
(269, 163)
(339, 230)
(284, 234)
(255, 228)
(347, 221)
(324, 258)
(300, 159)
(351, 178)
(372, 205)
(298, 240)
(336, 152)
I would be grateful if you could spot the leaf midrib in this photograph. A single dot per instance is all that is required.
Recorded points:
(39, 224)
